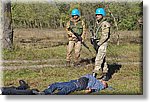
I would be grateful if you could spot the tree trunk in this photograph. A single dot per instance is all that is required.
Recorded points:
(7, 32)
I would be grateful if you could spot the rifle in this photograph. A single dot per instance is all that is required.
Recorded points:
(94, 40)
(80, 39)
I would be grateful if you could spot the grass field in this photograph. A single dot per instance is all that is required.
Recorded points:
(127, 80)
(37, 45)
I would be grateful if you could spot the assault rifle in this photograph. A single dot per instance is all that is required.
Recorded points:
(80, 39)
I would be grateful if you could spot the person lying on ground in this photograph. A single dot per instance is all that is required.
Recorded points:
(22, 89)
(86, 82)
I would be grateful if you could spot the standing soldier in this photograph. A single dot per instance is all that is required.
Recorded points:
(75, 25)
(102, 33)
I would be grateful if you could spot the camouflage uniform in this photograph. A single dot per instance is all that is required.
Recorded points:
(102, 32)
(78, 26)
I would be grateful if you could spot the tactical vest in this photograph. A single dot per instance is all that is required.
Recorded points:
(98, 29)
(78, 28)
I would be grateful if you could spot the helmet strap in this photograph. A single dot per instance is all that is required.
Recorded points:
(99, 20)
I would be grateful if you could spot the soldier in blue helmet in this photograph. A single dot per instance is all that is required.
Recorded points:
(77, 25)
(102, 34)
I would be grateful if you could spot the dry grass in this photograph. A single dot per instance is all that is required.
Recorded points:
(51, 44)
(127, 80)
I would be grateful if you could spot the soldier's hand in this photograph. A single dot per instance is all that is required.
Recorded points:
(92, 42)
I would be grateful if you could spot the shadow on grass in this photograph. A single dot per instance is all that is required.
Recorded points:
(113, 68)
(87, 61)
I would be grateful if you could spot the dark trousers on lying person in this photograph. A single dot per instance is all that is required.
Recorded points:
(63, 88)
(15, 91)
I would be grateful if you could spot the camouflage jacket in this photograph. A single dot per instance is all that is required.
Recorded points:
(102, 31)
(78, 26)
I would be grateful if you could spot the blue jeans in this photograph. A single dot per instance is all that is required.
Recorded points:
(63, 88)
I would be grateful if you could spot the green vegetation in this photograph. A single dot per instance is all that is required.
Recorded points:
(114, 51)
(32, 53)
(127, 80)
(56, 14)
(40, 38)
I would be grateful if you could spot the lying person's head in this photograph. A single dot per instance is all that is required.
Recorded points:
(104, 83)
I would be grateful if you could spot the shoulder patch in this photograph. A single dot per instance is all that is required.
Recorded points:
(105, 24)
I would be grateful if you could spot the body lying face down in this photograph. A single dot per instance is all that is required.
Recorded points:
(86, 82)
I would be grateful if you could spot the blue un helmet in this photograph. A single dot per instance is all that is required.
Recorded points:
(100, 11)
(75, 12)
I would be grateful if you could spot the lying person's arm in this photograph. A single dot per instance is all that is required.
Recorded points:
(89, 90)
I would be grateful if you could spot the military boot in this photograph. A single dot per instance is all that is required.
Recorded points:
(76, 64)
(105, 77)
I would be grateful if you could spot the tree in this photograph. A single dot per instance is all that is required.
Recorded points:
(7, 37)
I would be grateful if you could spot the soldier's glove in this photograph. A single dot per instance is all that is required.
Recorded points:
(92, 40)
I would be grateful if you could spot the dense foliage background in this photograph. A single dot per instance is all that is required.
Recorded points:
(55, 15)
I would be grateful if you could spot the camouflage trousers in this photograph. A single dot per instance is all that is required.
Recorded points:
(100, 61)
(76, 46)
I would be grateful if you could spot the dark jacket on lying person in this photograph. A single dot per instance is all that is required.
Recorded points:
(86, 82)
(23, 89)
(63, 88)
